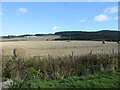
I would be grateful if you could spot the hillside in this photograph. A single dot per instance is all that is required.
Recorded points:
(98, 35)
(30, 38)
(107, 35)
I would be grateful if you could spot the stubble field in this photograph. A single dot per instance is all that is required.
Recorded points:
(58, 48)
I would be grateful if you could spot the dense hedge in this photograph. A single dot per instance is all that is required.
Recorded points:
(58, 67)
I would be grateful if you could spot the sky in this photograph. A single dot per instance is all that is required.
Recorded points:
(60, 0)
(49, 17)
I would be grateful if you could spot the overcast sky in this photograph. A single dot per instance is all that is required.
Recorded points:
(49, 17)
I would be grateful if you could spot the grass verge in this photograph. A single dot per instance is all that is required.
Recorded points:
(103, 80)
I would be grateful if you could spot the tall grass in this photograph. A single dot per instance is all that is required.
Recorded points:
(57, 67)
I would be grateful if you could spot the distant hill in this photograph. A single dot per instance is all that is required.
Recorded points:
(107, 35)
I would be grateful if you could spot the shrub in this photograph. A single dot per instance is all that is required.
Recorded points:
(58, 67)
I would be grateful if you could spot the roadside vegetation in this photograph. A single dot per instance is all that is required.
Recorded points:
(86, 71)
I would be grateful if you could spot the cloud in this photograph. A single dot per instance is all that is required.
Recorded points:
(101, 18)
(22, 10)
(111, 10)
(55, 28)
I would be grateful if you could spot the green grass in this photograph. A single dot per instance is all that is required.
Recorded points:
(103, 80)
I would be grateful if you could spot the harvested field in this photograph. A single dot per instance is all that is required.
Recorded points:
(59, 48)
(31, 38)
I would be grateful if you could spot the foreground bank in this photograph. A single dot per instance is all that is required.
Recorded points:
(88, 71)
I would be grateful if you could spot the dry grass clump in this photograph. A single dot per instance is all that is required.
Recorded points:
(59, 67)
(19, 52)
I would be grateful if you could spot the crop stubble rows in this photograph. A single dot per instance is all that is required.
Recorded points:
(57, 48)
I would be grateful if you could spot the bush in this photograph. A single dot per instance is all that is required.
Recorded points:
(58, 67)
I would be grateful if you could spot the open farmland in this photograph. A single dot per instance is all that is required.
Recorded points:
(31, 38)
(58, 64)
(59, 48)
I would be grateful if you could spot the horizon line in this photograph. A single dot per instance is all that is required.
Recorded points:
(59, 31)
